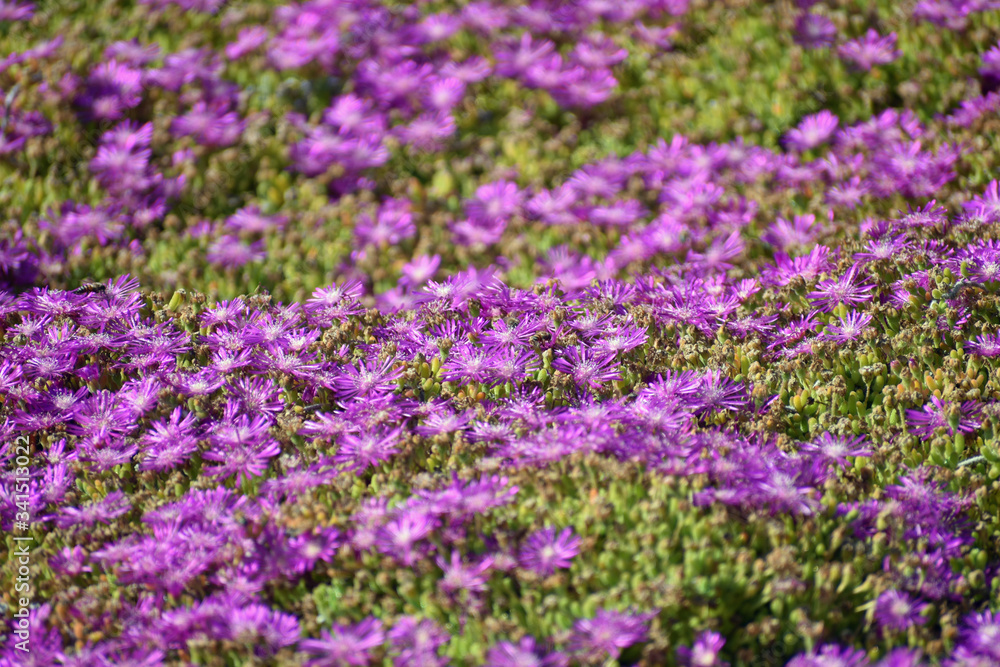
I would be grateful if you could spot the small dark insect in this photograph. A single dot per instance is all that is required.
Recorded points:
(539, 338)
(86, 288)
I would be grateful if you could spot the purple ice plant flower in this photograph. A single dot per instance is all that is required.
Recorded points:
(802, 231)
(459, 576)
(814, 31)
(544, 551)
(950, 416)
(112, 88)
(902, 657)
(494, 201)
(981, 635)
(170, 443)
(587, 367)
(307, 549)
(987, 345)
(896, 611)
(866, 52)
(609, 633)
(526, 653)
(14, 10)
(229, 251)
(242, 447)
(704, 652)
(415, 643)
(114, 505)
(400, 536)
(849, 328)
(248, 40)
(344, 644)
(368, 380)
(849, 289)
(364, 450)
(831, 655)
(70, 562)
(836, 449)
(813, 131)
(718, 392)
(419, 270)
(250, 219)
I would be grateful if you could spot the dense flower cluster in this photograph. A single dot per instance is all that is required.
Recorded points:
(361, 333)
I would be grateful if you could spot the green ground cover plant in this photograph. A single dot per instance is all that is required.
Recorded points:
(347, 332)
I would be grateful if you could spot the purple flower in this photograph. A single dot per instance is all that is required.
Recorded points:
(441, 423)
(848, 289)
(257, 396)
(471, 70)
(514, 59)
(813, 131)
(112, 506)
(199, 383)
(99, 419)
(990, 68)
(782, 491)
(831, 655)
(229, 251)
(10, 375)
(660, 38)
(428, 131)
(416, 643)
(882, 248)
(836, 449)
(718, 392)
(617, 214)
(248, 40)
(814, 31)
(361, 451)
(494, 201)
(295, 482)
(607, 634)
(308, 548)
(79, 222)
(13, 10)
(545, 552)
(807, 267)
(112, 88)
(344, 644)
(467, 363)
(372, 379)
(849, 328)
(242, 447)
(399, 535)
(902, 657)
(328, 305)
(419, 270)
(587, 367)
(525, 653)
(870, 50)
(436, 28)
(982, 261)
(596, 180)
(897, 611)
(704, 652)
(70, 562)
(122, 160)
(802, 231)
(461, 576)
(249, 219)
(981, 635)
(944, 414)
(392, 224)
